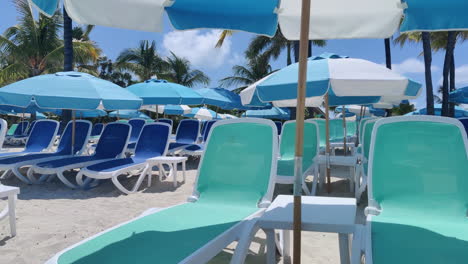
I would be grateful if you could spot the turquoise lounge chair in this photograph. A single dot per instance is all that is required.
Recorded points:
(233, 187)
(418, 192)
(361, 173)
(285, 173)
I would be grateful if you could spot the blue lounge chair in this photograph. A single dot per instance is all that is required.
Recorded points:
(153, 142)
(111, 145)
(20, 130)
(187, 134)
(64, 149)
(165, 120)
(279, 126)
(97, 130)
(232, 190)
(21, 139)
(42, 138)
(197, 149)
(137, 125)
(418, 189)
(464, 121)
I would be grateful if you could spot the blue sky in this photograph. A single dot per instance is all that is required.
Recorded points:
(198, 47)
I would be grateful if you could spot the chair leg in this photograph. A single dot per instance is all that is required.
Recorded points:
(357, 245)
(6, 175)
(65, 180)
(20, 176)
(344, 248)
(240, 253)
(12, 213)
(119, 186)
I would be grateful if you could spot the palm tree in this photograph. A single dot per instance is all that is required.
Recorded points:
(180, 71)
(33, 47)
(107, 72)
(256, 68)
(143, 61)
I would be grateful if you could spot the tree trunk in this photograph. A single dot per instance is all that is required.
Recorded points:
(68, 55)
(451, 37)
(388, 62)
(296, 51)
(452, 86)
(310, 49)
(288, 53)
(426, 39)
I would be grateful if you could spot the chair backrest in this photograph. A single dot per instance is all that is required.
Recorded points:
(165, 120)
(351, 126)
(366, 136)
(3, 131)
(137, 125)
(336, 130)
(30, 127)
(238, 163)
(97, 129)
(153, 141)
(361, 126)
(12, 129)
(279, 126)
(207, 129)
(21, 128)
(187, 131)
(82, 133)
(417, 161)
(311, 141)
(322, 130)
(113, 140)
(464, 121)
(42, 136)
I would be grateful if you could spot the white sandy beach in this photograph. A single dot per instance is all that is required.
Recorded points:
(51, 217)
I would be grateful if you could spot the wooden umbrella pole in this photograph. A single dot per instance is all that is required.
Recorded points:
(73, 132)
(301, 93)
(327, 140)
(157, 113)
(343, 111)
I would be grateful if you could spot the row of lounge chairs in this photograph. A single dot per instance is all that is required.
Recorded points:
(417, 198)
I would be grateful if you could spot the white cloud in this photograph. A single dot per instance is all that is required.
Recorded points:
(412, 65)
(198, 47)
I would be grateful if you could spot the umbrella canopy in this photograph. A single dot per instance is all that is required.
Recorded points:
(273, 113)
(68, 90)
(459, 111)
(84, 113)
(168, 109)
(459, 96)
(128, 114)
(226, 99)
(347, 81)
(162, 92)
(203, 114)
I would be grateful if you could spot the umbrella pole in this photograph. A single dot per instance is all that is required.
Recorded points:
(118, 117)
(327, 140)
(73, 132)
(343, 111)
(299, 149)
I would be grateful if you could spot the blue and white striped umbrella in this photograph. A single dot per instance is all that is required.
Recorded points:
(346, 80)
(273, 113)
(203, 113)
(128, 114)
(168, 109)
(459, 96)
(459, 111)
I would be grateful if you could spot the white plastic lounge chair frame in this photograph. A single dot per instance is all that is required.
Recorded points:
(313, 169)
(60, 170)
(242, 232)
(3, 131)
(373, 208)
(361, 175)
(143, 169)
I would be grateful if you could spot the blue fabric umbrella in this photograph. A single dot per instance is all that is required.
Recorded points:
(347, 81)
(84, 113)
(203, 114)
(162, 92)
(176, 109)
(459, 112)
(128, 114)
(226, 99)
(459, 96)
(273, 113)
(68, 90)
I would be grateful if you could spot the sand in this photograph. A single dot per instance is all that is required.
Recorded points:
(51, 217)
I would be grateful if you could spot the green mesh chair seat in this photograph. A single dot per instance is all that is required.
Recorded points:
(233, 179)
(418, 178)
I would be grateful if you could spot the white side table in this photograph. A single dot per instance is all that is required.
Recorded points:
(11, 193)
(319, 214)
(172, 162)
